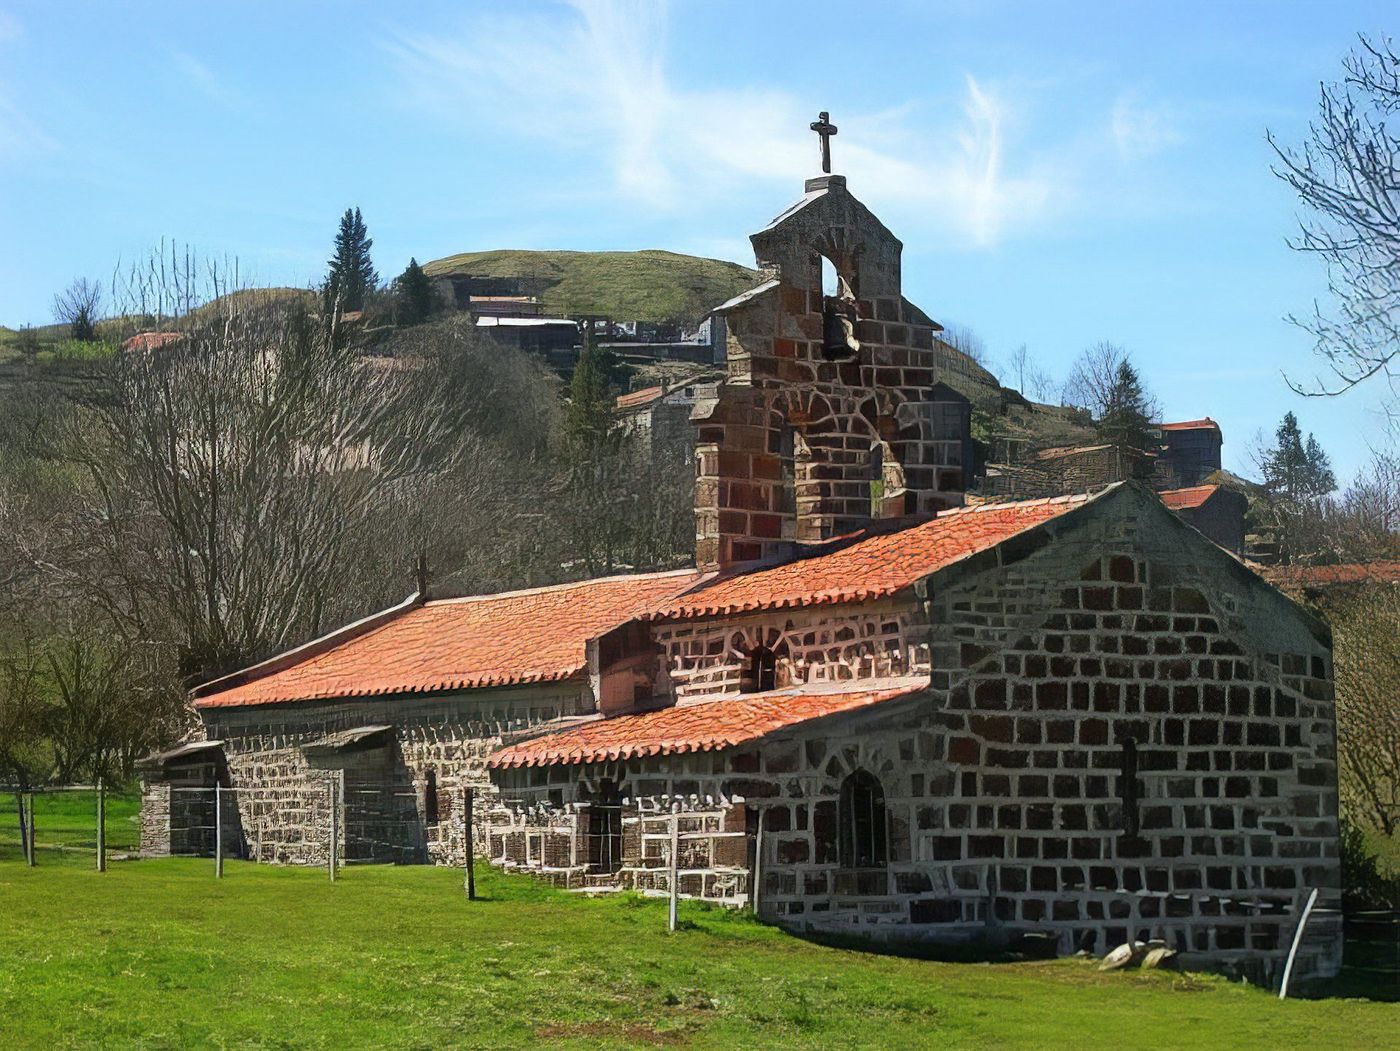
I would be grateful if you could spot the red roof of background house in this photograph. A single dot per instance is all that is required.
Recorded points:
(1190, 425)
(639, 397)
(488, 640)
(1383, 572)
(151, 340)
(1188, 499)
(872, 567)
(704, 727)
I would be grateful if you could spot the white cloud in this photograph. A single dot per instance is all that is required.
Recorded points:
(595, 81)
(1140, 130)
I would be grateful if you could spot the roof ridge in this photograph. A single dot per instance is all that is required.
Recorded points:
(546, 588)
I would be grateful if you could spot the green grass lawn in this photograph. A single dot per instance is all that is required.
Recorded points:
(158, 954)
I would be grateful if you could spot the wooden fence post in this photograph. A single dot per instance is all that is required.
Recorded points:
(218, 831)
(757, 887)
(335, 830)
(33, 843)
(675, 870)
(469, 822)
(23, 825)
(101, 826)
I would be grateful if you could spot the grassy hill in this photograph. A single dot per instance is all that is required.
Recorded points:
(641, 286)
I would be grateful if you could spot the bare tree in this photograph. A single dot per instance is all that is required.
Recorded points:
(1030, 378)
(1094, 381)
(25, 756)
(223, 476)
(1347, 174)
(78, 306)
(963, 339)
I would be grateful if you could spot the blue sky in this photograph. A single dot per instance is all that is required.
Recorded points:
(1060, 173)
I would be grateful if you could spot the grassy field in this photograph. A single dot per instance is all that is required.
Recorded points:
(627, 286)
(158, 954)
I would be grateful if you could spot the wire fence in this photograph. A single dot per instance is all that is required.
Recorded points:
(68, 823)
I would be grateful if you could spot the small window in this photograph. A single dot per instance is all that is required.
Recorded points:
(763, 670)
(862, 822)
(1128, 787)
(605, 829)
(430, 799)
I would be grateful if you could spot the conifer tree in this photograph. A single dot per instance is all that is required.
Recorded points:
(1296, 468)
(1126, 420)
(589, 422)
(414, 301)
(351, 276)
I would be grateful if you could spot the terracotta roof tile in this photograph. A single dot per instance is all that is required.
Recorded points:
(1187, 499)
(704, 727)
(541, 635)
(1383, 572)
(872, 567)
(1206, 424)
(489, 640)
(639, 397)
(152, 340)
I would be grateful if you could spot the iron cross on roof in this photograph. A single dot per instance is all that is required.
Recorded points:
(825, 130)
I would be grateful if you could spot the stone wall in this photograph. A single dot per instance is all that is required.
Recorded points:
(827, 644)
(1008, 788)
(283, 797)
(788, 448)
(554, 843)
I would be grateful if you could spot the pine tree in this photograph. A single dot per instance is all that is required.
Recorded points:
(1295, 468)
(351, 276)
(590, 419)
(414, 300)
(1126, 421)
(1320, 476)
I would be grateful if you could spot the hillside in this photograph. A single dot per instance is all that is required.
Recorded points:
(627, 286)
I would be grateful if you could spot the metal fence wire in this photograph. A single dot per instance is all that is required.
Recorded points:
(56, 821)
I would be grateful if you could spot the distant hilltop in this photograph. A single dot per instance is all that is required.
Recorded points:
(649, 285)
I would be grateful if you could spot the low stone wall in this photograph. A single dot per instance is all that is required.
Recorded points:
(558, 844)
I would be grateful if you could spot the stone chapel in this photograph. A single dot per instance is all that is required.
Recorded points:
(1073, 717)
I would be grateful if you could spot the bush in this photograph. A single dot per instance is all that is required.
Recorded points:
(1370, 869)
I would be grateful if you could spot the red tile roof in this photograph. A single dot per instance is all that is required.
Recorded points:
(541, 635)
(1383, 572)
(639, 397)
(872, 567)
(1190, 425)
(1188, 499)
(151, 340)
(488, 640)
(704, 727)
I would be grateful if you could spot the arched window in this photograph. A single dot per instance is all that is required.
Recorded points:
(862, 822)
(763, 671)
(1128, 786)
(431, 815)
(839, 314)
